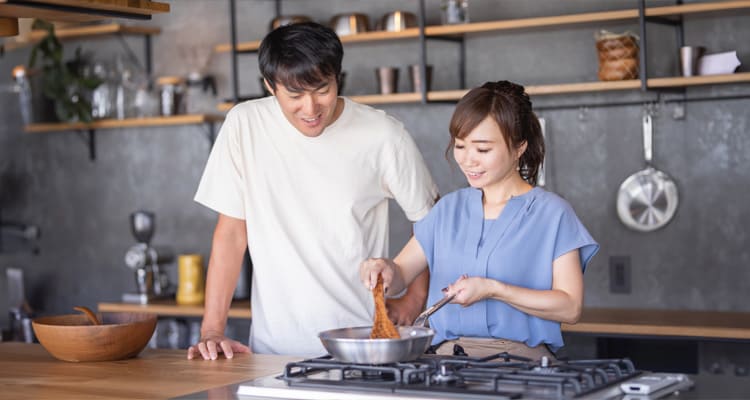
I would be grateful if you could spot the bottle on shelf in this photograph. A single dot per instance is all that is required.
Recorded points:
(23, 88)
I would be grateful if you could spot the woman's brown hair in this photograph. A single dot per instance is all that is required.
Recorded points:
(509, 105)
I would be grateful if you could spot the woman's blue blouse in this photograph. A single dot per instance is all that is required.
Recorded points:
(518, 248)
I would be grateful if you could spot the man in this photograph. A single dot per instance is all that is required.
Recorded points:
(303, 179)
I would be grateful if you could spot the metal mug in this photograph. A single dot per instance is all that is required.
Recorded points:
(415, 75)
(689, 56)
(387, 79)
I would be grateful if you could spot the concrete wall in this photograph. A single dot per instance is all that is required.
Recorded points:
(699, 261)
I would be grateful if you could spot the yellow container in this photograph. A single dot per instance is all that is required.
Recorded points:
(190, 290)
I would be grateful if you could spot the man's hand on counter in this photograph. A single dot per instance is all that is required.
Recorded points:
(212, 343)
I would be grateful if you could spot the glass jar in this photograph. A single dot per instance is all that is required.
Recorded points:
(23, 88)
(454, 11)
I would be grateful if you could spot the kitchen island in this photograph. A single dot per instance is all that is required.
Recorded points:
(27, 371)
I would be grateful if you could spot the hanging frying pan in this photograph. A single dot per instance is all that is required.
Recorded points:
(647, 200)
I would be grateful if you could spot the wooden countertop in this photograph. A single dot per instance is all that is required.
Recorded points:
(596, 321)
(240, 309)
(29, 372)
(667, 323)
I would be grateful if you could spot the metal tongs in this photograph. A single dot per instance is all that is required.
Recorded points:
(422, 318)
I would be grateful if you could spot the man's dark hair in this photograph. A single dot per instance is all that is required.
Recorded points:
(300, 56)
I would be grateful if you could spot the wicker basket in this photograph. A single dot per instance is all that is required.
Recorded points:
(618, 55)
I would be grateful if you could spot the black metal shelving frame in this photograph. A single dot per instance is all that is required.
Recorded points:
(677, 22)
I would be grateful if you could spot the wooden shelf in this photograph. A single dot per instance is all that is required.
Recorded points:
(522, 23)
(697, 8)
(597, 321)
(170, 308)
(572, 19)
(243, 47)
(584, 18)
(123, 123)
(665, 323)
(395, 98)
(80, 10)
(742, 77)
(81, 32)
(541, 90)
(373, 36)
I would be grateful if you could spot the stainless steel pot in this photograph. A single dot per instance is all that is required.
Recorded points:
(396, 21)
(354, 344)
(287, 20)
(647, 200)
(349, 24)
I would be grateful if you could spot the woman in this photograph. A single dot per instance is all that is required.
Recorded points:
(512, 254)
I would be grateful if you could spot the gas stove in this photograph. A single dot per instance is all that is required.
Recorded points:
(502, 376)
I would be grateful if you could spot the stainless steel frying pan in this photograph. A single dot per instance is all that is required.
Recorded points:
(647, 199)
(354, 344)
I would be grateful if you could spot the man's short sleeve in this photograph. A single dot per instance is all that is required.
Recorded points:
(407, 177)
(222, 186)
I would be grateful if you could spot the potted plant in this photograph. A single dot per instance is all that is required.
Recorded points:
(63, 82)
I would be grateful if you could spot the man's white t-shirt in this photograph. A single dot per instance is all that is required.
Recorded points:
(315, 208)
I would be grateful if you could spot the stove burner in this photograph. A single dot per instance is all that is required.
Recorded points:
(446, 377)
(499, 376)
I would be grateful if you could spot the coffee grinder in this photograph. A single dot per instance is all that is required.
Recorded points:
(147, 262)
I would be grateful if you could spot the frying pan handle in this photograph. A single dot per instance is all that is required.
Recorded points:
(542, 178)
(648, 137)
(422, 318)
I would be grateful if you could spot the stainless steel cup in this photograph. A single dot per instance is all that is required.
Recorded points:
(387, 79)
(415, 75)
(689, 56)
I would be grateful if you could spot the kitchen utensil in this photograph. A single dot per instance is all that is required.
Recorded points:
(354, 344)
(422, 318)
(171, 94)
(20, 312)
(282, 20)
(454, 12)
(415, 75)
(89, 314)
(147, 261)
(387, 78)
(190, 289)
(349, 24)
(396, 21)
(647, 200)
(541, 179)
(71, 338)
(689, 56)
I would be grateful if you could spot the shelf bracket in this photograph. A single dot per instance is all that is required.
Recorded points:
(210, 134)
(89, 137)
(78, 9)
(233, 63)
(422, 53)
(642, 71)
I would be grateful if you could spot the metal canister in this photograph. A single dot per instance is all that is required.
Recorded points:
(190, 289)
(171, 95)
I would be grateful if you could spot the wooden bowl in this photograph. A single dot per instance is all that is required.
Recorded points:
(72, 337)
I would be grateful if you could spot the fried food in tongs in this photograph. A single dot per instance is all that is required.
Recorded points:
(382, 327)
